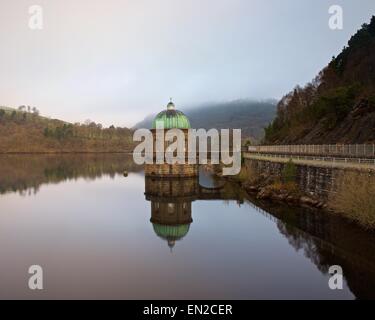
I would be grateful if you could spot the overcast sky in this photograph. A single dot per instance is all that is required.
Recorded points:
(115, 61)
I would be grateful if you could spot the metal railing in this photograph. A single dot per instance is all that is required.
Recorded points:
(365, 151)
(333, 160)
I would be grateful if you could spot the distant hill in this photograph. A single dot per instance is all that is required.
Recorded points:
(249, 115)
(338, 106)
(23, 130)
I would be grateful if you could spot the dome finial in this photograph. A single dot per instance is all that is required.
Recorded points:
(170, 105)
(171, 244)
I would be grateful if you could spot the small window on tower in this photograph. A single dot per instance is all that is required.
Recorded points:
(170, 207)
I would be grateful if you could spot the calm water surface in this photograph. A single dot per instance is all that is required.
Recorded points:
(98, 234)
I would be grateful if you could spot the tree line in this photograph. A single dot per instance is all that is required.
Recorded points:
(25, 130)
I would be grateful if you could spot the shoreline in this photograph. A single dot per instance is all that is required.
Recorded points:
(270, 189)
(282, 195)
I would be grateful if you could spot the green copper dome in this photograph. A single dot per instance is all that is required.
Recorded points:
(169, 232)
(171, 118)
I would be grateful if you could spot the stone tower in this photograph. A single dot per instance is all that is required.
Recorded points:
(171, 119)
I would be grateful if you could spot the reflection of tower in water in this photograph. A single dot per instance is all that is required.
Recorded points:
(171, 200)
(171, 188)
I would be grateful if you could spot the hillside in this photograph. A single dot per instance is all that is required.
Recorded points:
(250, 116)
(24, 130)
(338, 106)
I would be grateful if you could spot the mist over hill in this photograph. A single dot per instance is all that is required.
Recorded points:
(249, 115)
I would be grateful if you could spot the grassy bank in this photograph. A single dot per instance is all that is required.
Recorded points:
(355, 197)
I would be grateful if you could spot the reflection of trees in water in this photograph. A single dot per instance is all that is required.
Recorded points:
(300, 241)
(231, 191)
(328, 240)
(25, 173)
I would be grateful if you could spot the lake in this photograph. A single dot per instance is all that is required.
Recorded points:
(98, 234)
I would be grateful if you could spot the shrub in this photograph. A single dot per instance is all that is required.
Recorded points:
(289, 172)
(247, 174)
(291, 188)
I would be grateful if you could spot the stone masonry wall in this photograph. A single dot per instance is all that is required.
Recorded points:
(317, 181)
(167, 170)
